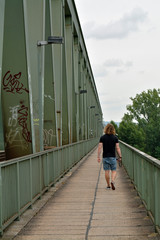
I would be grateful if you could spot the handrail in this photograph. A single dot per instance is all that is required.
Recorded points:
(144, 171)
(23, 180)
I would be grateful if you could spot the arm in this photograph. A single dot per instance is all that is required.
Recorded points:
(118, 151)
(99, 151)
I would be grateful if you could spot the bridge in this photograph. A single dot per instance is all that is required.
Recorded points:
(50, 124)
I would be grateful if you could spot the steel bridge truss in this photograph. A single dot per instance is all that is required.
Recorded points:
(48, 92)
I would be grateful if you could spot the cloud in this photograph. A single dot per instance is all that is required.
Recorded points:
(113, 63)
(141, 72)
(117, 63)
(121, 28)
(99, 71)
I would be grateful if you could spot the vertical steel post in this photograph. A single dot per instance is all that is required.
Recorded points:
(76, 81)
(25, 7)
(85, 103)
(34, 31)
(41, 84)
(57, 30)
(15, 91)
(69, 71)
(2, 7)
(65, 127)
(74, 95)
(49, 129)
(41, 93)
(81, 96)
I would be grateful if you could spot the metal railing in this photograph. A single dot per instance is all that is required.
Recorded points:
(24, 180)
(144, 172)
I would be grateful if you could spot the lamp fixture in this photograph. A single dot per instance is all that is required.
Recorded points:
(51, 40)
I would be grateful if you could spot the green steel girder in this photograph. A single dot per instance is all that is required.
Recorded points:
(2, 5)
(57, 22)
(49, 129)
(47, 90)
(15, 86)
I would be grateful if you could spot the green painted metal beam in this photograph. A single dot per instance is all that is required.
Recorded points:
(15, 89)
(144, 172)
(46, 89)
(57, 30)
(49, 130)
(2, 7)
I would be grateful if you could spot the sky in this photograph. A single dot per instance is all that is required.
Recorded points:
(122, 38)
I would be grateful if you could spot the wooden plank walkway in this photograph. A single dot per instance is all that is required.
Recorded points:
(82, 209)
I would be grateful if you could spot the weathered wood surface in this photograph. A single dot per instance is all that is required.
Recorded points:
(79, 210)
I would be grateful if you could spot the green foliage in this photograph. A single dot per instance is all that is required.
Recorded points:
(131, 133)
(145, 133)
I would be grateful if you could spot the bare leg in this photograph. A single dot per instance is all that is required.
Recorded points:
(113, 175)
(107, 177)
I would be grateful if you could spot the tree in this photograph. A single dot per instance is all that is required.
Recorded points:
(131, 133)
(145, 111)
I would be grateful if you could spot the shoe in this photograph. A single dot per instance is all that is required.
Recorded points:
(108, 188)
(113, 186)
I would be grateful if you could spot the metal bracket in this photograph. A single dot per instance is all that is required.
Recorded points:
(42, 43)
(51, 40)
(55, 40)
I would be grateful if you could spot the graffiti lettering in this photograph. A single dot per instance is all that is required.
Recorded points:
(14, 138)
(48, 136)
(36, 121)
(22, 120)
(12, 84)
(49, 96)
(12, 121)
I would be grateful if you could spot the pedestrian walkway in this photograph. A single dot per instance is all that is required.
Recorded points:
(82, 209)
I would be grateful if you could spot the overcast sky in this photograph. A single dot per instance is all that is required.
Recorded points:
(123, 43)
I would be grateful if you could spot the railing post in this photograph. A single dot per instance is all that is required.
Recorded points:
(31, 190)
(40, 175)
(18, 192)
(1, 224)
(156, 202)
(47, 172)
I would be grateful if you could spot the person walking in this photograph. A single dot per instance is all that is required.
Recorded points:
(109, 143)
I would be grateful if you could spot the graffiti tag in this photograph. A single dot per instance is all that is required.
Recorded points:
(48, 136)
(12, 83)
(14, 137)
(22, 120)
(12, 121)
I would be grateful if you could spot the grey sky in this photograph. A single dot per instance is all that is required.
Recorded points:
(119, 28)
(122, 39)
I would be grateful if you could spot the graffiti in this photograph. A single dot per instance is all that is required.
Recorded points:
(12, 83)
(49, 96)
(22, 121)
(18, 127)
(12, 121)
(14, 138)
(48, 136)
(36, 121)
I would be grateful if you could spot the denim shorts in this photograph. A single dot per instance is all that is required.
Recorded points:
(109, 163)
